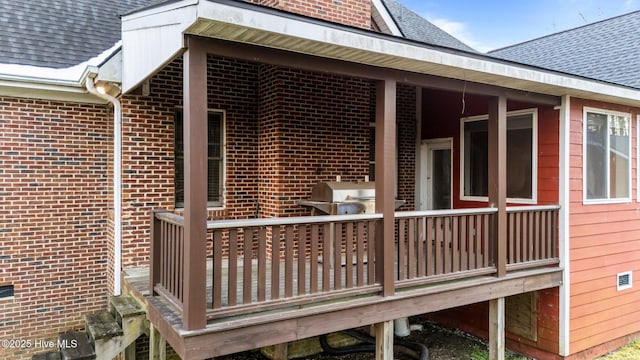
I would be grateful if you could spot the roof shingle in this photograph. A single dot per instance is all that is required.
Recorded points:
(61, 33)
(415, 27)
(607, 50)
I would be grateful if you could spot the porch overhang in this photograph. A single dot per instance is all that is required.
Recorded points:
(155, 36)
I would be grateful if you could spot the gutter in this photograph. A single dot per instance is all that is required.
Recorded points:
(117, 177)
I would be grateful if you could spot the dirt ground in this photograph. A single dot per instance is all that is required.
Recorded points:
(443, 344)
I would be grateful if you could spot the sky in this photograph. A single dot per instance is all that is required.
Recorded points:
(492, 24)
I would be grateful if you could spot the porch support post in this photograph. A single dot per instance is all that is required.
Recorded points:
(195, 185)
(496, 329)
(497, 178)
(384, 340)
(418, 195)
(385, 182)
(157, 345)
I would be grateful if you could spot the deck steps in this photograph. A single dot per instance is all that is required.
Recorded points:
(102, 325)
(107, 334)
(78, 346)
(50, 355)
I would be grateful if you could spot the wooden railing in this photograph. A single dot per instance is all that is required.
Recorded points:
(261, 264)
(532, 233)
(442, 244)
(167, 256)
(300, 259)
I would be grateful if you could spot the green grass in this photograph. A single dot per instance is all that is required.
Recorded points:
(630, 351)
(481, 353)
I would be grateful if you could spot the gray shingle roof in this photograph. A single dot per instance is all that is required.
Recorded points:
(608, 50)
(60, 33)
(415, 27)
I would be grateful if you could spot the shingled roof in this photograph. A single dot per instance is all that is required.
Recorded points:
(607, 50)
(60, 33)
(415, 27)
(63, 33)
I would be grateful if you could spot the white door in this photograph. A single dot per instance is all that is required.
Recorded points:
(436, 174)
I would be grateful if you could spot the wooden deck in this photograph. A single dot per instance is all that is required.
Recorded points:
(270, 281)
(250, 330)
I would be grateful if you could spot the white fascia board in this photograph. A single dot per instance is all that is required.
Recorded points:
(379, 7)
(152, 38)
(470, 67)
(66, 84)
(33, 90)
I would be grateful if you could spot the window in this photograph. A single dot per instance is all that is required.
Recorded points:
(607, 150)
(6, 291)
(215, 159)
(521, 157)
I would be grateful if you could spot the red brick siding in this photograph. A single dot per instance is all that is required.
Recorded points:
(349, 12)
(148, 147)
(605, 240)
(54, 191)
(286, 130)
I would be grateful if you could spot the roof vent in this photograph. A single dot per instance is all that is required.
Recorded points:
(625, 280)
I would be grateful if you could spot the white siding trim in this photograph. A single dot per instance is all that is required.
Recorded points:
(563, 222)
(379, 7)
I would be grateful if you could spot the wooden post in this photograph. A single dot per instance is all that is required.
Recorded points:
(496, 329)
(130, 352)
(195, 185)
(154, 256)
(384, 340)
(157, 345)
(497, 163)
(385, 182)
(281, 351)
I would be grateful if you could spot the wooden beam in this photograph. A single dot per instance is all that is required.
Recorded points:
(281, 351)
(418, 191)
(195, 185)
(497, 178)
(384, 340)
(157, 345)
(258, 331)
(278, 57)
(385, 183)
(496, 329)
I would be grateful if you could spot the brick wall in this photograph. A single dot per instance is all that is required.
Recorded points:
(286, 130)
(54, 194)
(349, 12)
(406, 123)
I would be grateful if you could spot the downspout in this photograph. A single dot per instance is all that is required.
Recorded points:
(117, 180)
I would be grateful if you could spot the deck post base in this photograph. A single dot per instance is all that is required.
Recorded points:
(384, 340)
(281, 351)
(496, 329)
(157, 345)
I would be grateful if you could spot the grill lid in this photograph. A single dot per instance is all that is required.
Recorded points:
(334, 191)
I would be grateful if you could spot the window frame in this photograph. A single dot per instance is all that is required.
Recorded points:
(608, 199)
(211, 205)
(534, 157)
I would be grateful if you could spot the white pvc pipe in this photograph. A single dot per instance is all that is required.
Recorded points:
(117, 182)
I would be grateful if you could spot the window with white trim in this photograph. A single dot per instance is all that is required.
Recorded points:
(215, 159)
(607, 156)
(522, 149)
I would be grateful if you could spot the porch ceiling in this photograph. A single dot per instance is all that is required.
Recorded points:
(154, 37)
